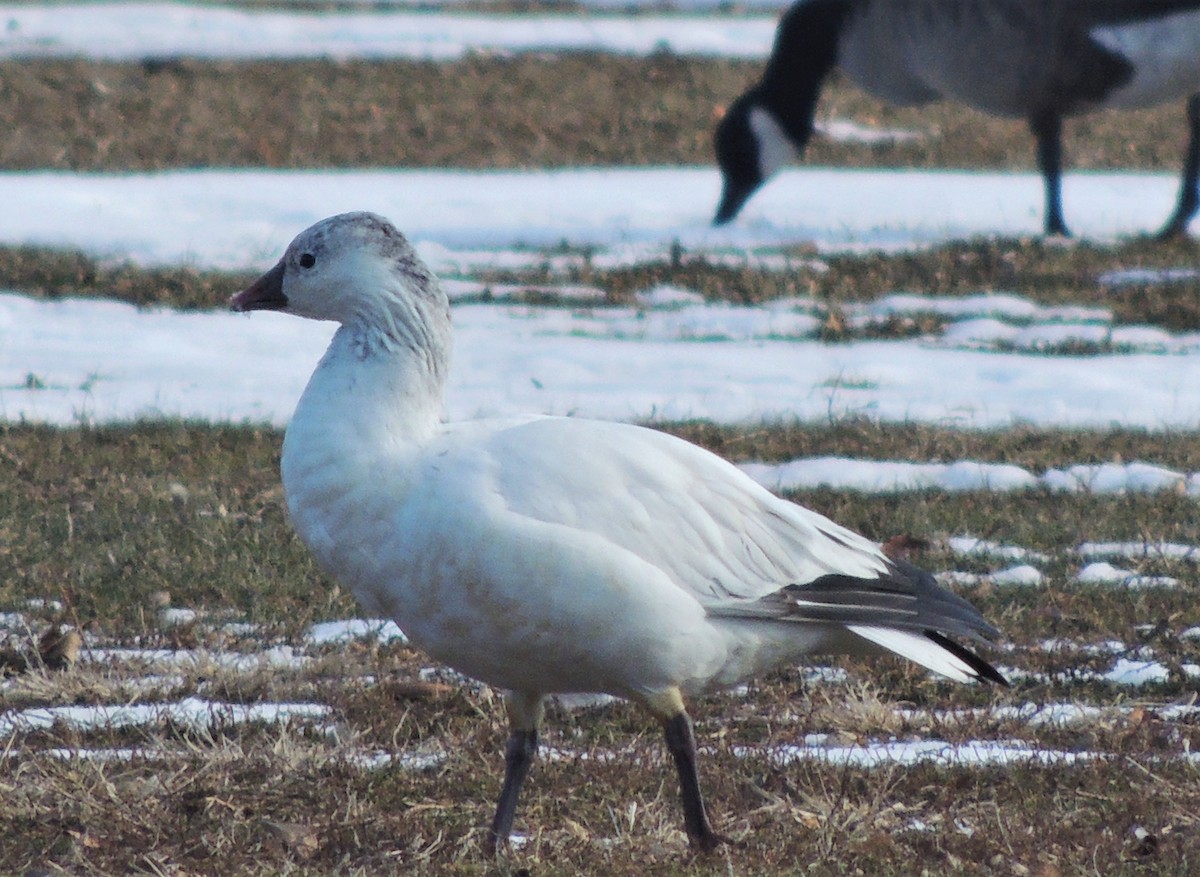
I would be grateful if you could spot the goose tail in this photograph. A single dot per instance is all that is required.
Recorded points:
(933, 651)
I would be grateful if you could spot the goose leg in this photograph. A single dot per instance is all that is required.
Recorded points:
(1047, 130)
(524, 715)
(1189, 197)
(682, 745)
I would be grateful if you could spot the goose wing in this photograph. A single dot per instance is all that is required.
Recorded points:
(727, 542)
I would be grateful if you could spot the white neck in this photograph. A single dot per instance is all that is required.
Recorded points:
(371, 403)
(371, 386)
(382, 380)
(775, 150)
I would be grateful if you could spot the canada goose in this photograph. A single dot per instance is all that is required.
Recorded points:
(1040, 60)
(555, 554)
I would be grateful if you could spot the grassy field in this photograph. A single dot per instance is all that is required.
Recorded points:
(1048, 274)
(101, 518)
(112, 524)
(107, 520)
(484, 112)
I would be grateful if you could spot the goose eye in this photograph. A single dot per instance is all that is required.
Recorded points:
(307, 260)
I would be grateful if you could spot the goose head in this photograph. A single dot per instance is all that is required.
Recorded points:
(357, 269)
(751, 145)
(350, 268)
(737, 157)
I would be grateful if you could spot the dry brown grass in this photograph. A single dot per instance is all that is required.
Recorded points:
(483, 112)
(291, 799)
(1049, 275)
(304, 798)
(523, 111)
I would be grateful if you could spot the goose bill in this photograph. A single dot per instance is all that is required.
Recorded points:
(264, 294)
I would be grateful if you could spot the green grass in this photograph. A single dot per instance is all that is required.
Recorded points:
(103, 518)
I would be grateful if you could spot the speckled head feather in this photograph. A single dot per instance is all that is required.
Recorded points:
(359, 270)
(361, 228)
(390, 242)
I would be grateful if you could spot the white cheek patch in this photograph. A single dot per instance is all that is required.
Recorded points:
(1165, 53)
(774, 148)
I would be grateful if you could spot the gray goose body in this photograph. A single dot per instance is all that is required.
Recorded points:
(1039, 60)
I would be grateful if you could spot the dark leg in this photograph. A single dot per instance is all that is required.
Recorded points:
(1047, 130)
(682, 745)
(518, 756)
(1189, 197)
(524, 716)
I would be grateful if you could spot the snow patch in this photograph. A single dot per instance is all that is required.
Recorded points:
(978, 753)
(192, 712)
(1104, 573)
(382, 630)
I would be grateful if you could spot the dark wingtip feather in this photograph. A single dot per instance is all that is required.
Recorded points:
(957, 615)
(984, 671)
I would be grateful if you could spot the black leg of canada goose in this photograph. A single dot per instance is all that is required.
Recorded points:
(682, 745)
(1189, 195)
(1047, 130)
(518, 756)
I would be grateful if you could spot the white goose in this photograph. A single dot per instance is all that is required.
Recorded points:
(552, 554)
(1038, 60)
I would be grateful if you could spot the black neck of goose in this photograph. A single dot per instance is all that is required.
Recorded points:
(806, 50)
